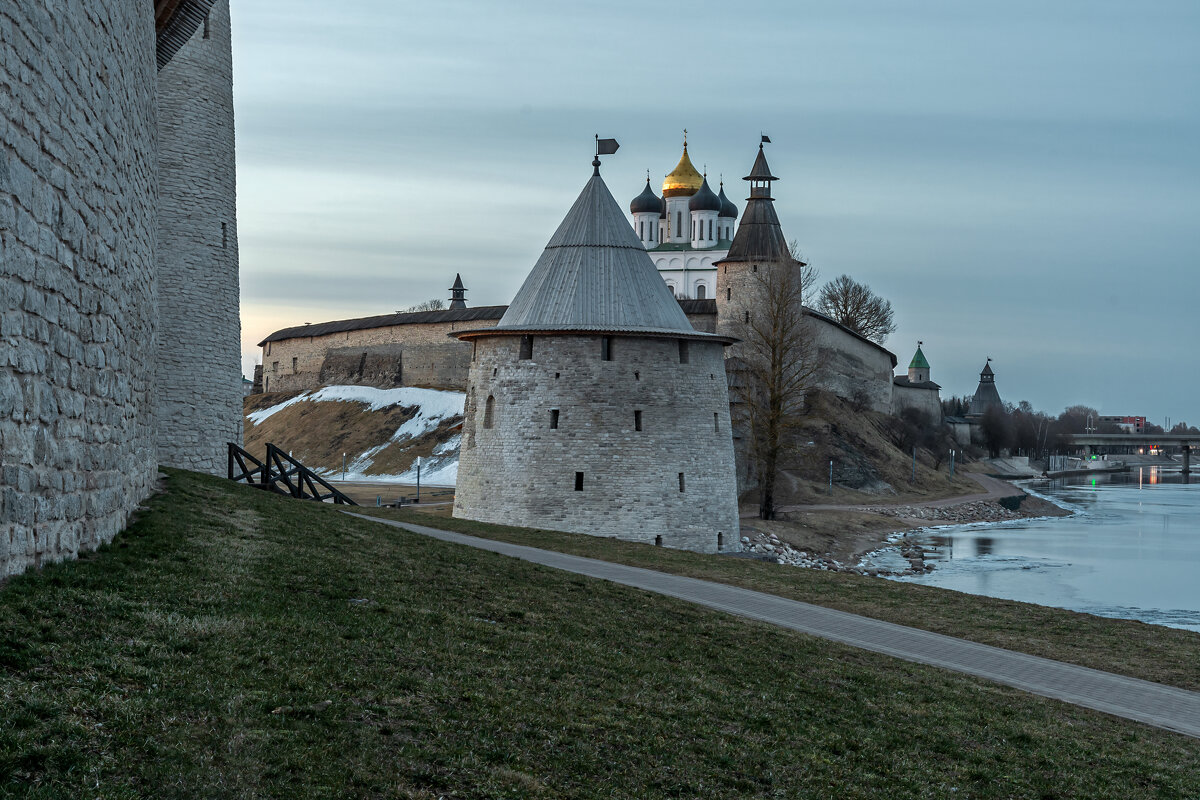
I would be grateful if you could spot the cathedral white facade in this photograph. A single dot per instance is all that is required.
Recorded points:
(686, 230)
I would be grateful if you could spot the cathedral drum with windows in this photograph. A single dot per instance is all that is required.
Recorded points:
(594, 406)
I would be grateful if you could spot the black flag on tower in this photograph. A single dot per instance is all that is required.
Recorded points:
(606, 147)
(766, 139)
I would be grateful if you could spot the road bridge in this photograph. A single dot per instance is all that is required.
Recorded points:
(1094, 441)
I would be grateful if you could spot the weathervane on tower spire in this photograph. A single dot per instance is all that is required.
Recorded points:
(604, 147)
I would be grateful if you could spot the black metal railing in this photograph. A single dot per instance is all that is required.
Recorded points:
(282, 474)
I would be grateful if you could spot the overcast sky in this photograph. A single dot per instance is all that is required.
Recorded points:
(1020, 179)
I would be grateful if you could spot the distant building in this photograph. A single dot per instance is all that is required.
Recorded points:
(687, 230)
(1126, 423)
(915, 390)
(986, 395)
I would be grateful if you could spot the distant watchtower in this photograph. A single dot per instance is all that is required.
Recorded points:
(986, 395)
(758, 247)
(458, 293)
(918, 368)
(594, 406)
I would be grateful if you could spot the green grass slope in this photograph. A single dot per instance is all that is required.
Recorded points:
(237, 644)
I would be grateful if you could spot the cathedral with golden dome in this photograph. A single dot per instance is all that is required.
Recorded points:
(686, 230)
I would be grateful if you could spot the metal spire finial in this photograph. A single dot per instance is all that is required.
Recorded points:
(685, 138)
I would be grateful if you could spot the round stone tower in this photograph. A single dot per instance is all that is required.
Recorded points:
(198, 364)
(594, 406)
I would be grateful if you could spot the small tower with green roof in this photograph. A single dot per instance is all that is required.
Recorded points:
(918, 368)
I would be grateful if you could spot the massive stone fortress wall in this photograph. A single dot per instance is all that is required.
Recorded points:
(853, 367)
(669, 482)
(199, 394)
(78, 285)
(394, 355)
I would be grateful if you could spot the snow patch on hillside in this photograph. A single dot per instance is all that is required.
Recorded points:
(434, 404)
(433, 407)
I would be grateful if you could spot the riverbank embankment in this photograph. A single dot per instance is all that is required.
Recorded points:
(838, 537)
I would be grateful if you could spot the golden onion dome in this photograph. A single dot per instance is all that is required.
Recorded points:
(684, 180)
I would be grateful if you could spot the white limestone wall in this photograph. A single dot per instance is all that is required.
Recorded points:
(77, 284)
(852, 368)
(199, 351)
(522, 471)
(927, 401)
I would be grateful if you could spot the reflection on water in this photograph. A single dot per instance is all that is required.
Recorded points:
(1132, 550)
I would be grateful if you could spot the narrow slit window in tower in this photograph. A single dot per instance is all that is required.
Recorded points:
(606, 348)
(294, 362)
(526, 347)
(579, 481)
(716, 422)
(224, 235)
(658, 541)
(747, 317)
(683, 351)
(553, 419)
(207, 27)
(681, 481)
(728, 293)
(710, 229)
(637, 420)
(720, 541)
(489, 412)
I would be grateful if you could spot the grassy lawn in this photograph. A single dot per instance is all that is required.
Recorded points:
(1137, 649)
(237, 644)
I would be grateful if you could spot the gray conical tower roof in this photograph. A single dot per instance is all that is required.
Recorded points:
(595, 275)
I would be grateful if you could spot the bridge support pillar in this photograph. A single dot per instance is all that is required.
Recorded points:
(1187, 459)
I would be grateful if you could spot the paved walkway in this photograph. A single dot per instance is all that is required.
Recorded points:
(1152, 703)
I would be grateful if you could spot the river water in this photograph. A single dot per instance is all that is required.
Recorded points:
(1132, 550)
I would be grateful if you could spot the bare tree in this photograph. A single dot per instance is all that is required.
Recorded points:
(428, 305)
(854, 305)
(775, 366)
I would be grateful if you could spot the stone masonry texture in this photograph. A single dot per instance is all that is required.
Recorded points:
(78, 224)
(199, 393)
(517, 468)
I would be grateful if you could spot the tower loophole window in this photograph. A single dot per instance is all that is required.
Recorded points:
(681, 481)
(579, 481)
(553, 419)
(489, 412)
(606, 343)
(637, 420)
(526, 347)
(683, 351)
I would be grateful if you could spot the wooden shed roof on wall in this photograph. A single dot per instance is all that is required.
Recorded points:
(174, 23)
